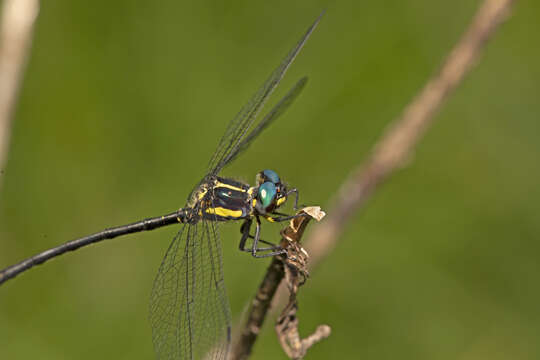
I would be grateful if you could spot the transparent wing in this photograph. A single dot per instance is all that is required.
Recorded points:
(189, 310)
(272, 115)
(239, 126)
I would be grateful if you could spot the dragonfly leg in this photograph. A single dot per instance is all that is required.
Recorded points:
(246, 226)
(295, 191)
(279, 213)
(256, 238)
(283, 218)
(244, 229)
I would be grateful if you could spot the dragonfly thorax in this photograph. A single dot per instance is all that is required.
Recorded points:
(222, 199)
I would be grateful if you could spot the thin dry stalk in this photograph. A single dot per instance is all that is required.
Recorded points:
(18, 17)
(395, 147)
(293, 268)
(393, 150)
(295, 275)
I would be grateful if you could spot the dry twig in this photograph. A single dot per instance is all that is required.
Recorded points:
(295, 275)
(396, 145)
(293, 268)
(389, 154)
(17, 21)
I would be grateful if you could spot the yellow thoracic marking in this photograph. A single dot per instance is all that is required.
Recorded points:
(197, 196)
(201, 194)
(281, 201)
(269, 218)
(220, 184)
(220, 211)
(250, 193)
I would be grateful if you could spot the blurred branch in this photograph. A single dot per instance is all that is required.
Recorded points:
(395, 147)
(292, 267)
(389, 154)
(295, 276)
(16, 25)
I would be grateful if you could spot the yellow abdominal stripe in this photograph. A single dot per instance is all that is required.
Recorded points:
(220, 211)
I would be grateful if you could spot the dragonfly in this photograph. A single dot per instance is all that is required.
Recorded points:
(189, 309)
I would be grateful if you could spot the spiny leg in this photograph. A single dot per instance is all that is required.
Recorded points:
(295, 191)
(246, 227)
(284, 217)
(256, 239)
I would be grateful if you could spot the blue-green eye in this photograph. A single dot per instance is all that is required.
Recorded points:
(272, 176)
(267, 194)
(268, 175)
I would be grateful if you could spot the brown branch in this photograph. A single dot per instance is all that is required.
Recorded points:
(293, 268)
(289, 338)
(18, 17)
(396, 145)
(295, 275)
(390, 153)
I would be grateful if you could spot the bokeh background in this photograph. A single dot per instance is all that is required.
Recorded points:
(123, 103)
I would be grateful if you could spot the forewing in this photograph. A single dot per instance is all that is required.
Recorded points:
(189, 310)
(272, 115)
(239, 126)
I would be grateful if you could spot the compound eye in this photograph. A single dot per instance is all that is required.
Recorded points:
(267, 194)
(267, 175)
(272, 176)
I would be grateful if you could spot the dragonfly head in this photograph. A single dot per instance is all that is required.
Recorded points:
(272, 193)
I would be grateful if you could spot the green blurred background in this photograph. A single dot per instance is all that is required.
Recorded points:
(123, 103)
